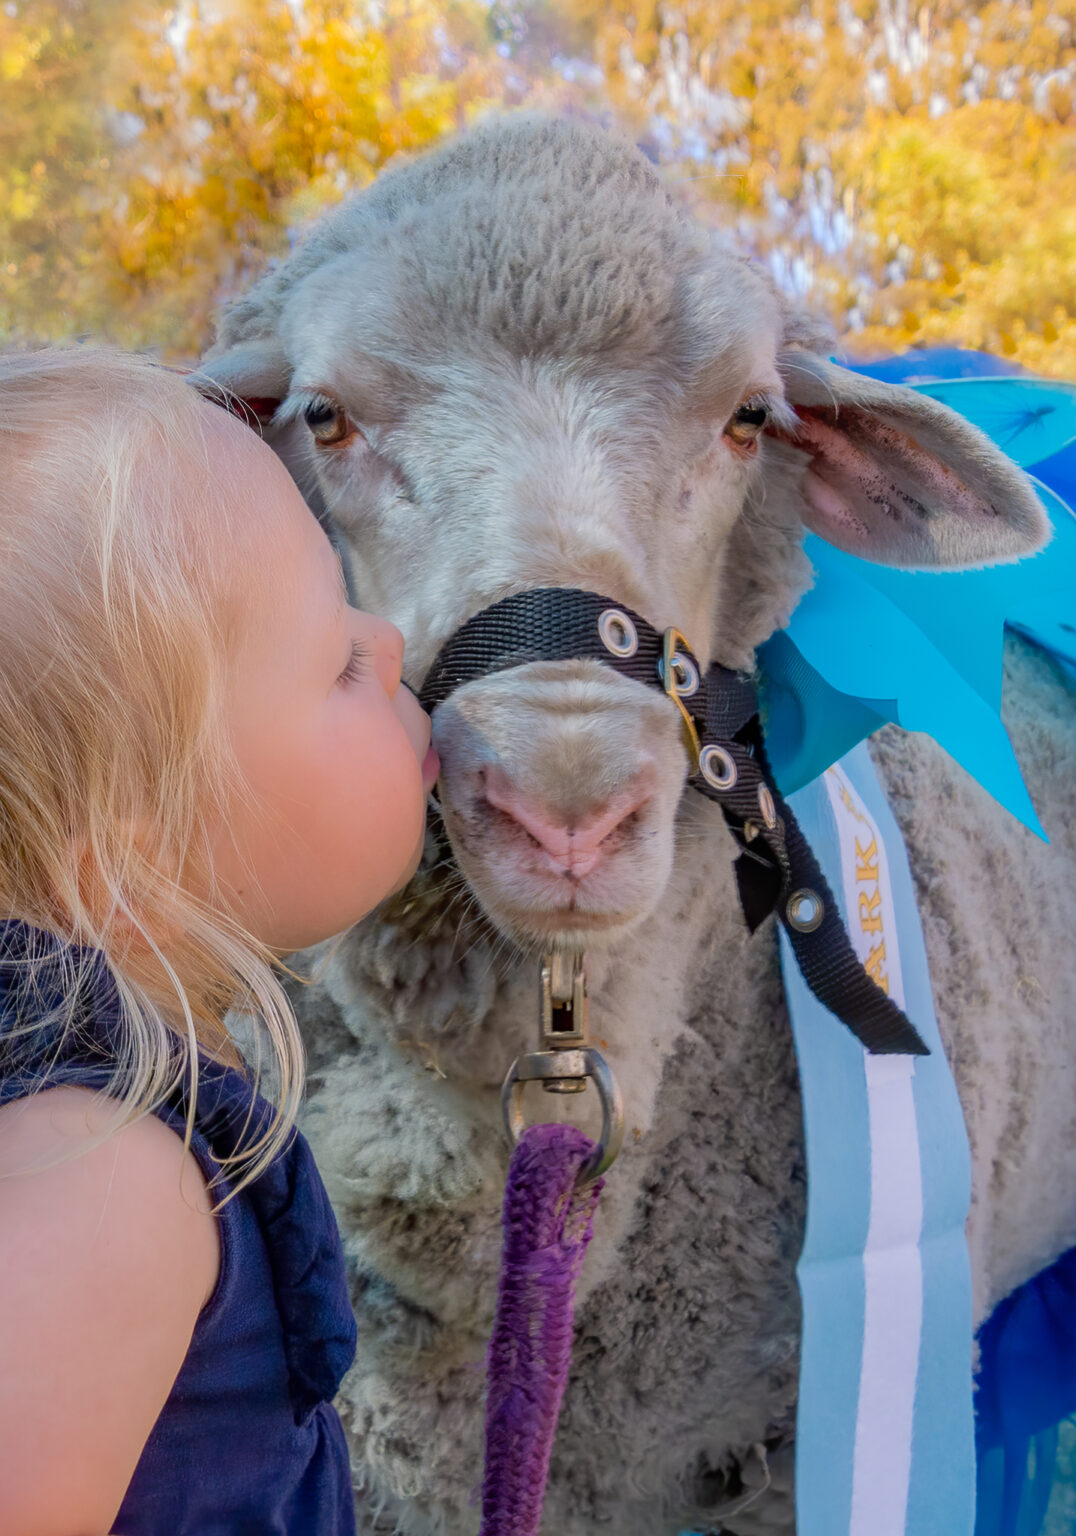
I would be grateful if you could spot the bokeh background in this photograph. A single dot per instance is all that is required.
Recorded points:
(911, 169)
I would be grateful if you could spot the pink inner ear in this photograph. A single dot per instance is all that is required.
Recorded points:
(874, 464)
(262, 406)
(832, 509)
(840, 479)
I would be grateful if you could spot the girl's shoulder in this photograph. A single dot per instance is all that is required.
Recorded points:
(110, 1252)
(64, 1131)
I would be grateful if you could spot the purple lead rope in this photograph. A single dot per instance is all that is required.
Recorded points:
(547, 1226)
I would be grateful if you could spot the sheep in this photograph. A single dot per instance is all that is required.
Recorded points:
(516, 361)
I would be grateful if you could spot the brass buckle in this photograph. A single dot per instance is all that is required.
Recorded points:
(671, 641)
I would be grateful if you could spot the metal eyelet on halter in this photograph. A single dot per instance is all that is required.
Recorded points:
(805, 909)
(767, 807)
(685, 675)
(618, 633)
(717, 767)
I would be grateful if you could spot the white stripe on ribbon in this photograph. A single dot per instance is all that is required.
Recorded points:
(892, 1263)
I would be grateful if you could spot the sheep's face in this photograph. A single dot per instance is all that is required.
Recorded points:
(477, 473)
(513, 363)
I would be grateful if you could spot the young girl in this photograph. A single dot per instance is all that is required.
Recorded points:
(207, 760)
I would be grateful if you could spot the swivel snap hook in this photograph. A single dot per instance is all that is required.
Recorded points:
(566, 1061)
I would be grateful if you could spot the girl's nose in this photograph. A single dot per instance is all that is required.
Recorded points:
(389, 648)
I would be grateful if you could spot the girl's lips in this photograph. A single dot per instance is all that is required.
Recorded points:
(431, 767)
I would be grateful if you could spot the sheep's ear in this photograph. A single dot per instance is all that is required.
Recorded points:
(898, 478)
(255, 373)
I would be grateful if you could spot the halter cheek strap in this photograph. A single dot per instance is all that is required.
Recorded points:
(775, 869)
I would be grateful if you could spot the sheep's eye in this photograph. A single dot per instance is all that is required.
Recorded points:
(328, 422)
(747, 422)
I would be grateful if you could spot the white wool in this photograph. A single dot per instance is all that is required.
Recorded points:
(541, 352)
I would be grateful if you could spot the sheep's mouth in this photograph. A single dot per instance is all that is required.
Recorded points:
(563, 925)
(532, 902)
(443, 901)
(547, 910)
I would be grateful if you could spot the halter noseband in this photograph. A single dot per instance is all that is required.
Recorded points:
(775, 868)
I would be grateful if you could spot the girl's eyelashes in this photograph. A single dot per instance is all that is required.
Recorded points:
(356, 668)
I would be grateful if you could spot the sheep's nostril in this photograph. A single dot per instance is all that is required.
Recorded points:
(574, 843)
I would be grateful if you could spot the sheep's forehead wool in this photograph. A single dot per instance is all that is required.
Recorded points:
(564, 240)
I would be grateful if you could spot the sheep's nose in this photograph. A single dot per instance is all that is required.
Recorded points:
(575, 843)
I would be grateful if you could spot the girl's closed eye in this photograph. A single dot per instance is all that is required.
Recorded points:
(357, 665)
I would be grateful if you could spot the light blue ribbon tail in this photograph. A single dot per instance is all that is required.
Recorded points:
(884, 1433)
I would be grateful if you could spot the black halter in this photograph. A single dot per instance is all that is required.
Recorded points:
(775, 867)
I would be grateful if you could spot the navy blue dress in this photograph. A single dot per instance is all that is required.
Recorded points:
(248, 1443)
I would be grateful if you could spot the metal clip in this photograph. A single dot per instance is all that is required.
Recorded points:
(671, 642)
(562, 1007)
(566, 1062)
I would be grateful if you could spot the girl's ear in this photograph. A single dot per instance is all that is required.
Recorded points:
(255, 369)
(898, 478)
(257, 373)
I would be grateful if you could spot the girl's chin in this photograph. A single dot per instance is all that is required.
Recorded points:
(415, 859)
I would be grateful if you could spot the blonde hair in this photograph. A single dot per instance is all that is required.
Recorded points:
(113, 749)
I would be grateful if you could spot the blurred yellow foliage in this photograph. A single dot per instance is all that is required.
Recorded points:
(912, 169)
(988, 193)
(193, 144)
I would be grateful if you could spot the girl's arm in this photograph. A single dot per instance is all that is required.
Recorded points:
(105, 1262)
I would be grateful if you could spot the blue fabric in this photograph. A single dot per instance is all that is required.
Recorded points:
(1029, 1343)
(930, 655)
(248, 1440)
(1026, 1387)
(1028, 418)
(932, 364)
(929, 658)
